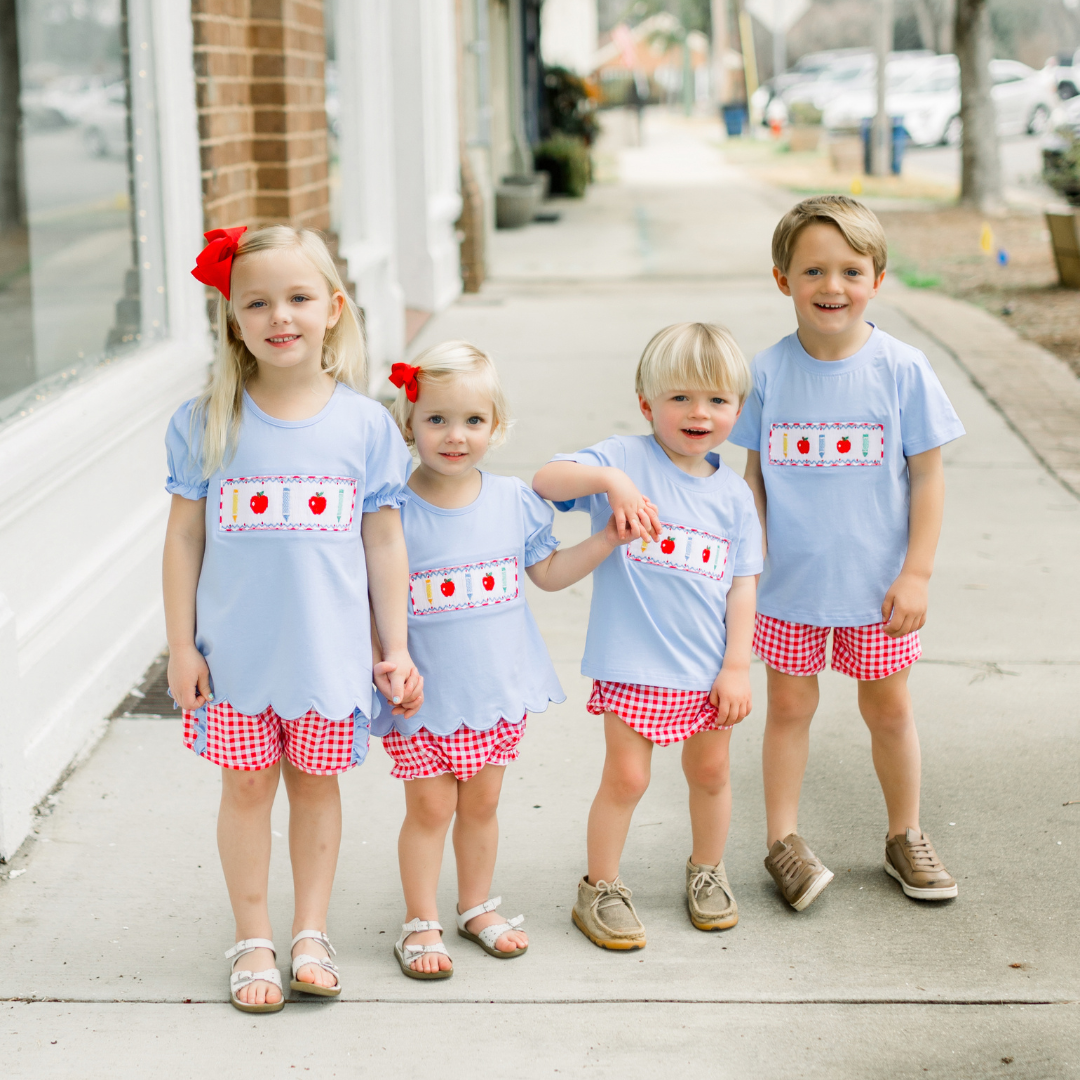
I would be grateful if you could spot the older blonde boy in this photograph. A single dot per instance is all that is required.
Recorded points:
(844, 429)
(672, 615)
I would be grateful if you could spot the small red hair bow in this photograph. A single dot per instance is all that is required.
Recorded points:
(214, 265)
(405, 375)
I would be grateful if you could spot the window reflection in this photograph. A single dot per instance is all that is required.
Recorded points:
(81, 259)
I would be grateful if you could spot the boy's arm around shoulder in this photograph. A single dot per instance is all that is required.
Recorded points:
(565, 481)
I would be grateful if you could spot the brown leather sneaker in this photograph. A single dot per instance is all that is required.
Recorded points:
(912, 860)
(709, 898)
(604, 914)
(797, 871)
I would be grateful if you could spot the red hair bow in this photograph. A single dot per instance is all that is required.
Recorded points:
(214, 265)
(405, 375)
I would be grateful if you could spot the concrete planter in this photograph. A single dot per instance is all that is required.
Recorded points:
(804, 138)
(846, 155)
(518, 198)
(1065, 240)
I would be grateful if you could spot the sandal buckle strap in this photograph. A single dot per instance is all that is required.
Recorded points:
(480, 909)
(248, 945)
(317, 936)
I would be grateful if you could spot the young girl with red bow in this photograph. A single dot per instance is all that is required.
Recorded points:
(284, 547)
(471, 537)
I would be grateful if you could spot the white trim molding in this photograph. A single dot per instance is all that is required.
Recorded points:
(82, 499)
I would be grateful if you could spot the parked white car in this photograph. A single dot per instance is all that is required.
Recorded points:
(927, 98)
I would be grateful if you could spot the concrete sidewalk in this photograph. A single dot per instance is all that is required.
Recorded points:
(112, 938)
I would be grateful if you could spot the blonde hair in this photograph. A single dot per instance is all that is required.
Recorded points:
(692, 356)
(221, 406)
(446, 363)
(857, 224)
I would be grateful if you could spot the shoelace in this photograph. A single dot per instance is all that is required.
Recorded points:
(709, 880)
(788, 862)
(607, 894)
(923, 856)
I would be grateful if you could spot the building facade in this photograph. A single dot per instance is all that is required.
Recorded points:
(127, 128)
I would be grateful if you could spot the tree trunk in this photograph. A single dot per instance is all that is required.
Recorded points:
(980, 177)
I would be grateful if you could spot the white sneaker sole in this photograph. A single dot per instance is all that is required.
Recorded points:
(813, 892)
(920, 894)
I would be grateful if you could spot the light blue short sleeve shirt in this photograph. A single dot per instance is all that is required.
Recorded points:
(659, 608)
(471, 633)
(834, 438)
(282, 611)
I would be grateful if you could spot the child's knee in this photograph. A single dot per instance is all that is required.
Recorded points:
(626, 781)
(249, 790)
(477, 806)
(431, 809)
(711, 776)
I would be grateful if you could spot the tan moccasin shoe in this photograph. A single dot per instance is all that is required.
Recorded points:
(912, 860)
(709, 898)
(604, 914)
(797, 871)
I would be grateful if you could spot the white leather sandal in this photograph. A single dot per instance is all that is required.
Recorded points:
(407, 955)
(490, 934)
(322, 962)
(239, 979)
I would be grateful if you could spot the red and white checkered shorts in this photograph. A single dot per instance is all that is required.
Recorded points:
(863, 652)
(661, 714)
(235, 740)
(464, 753)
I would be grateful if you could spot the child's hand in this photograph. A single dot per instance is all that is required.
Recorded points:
(611, 534)
(189, 678)
(634, 514)
(904, 608)
(731, 695)
(400, 683)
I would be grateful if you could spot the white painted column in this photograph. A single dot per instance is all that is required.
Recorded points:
(426, 151)
(368, 204)
(569, 31)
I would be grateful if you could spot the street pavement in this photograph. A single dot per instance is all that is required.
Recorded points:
(112, 938)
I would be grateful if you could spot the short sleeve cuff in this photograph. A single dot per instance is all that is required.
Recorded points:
(195, 492)
(392, 496)
(748, 569)
(940, 438)
(540, 548)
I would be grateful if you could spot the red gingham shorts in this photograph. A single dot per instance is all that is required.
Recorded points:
(464, 753)
(235, 740)
(662, 715)
(863, 652)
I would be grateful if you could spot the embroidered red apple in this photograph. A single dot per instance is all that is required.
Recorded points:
(804, 445)
(705, 555)
(843, 445)
(447, 588)
(488, 582)
(317, 503)
(667, 545)
(259, 502)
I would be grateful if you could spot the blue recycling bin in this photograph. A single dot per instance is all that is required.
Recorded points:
(900, 139)
(735, 119)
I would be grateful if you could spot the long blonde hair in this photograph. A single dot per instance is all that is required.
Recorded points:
(447, 362)
(221, 406)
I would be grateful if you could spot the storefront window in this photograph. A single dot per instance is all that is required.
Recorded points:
(81, 253)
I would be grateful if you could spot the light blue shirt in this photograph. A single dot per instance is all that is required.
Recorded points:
(834, 438)
(282, 605)
(471, 633)
(659, 609)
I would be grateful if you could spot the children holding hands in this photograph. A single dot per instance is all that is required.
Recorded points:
(671, 622)
(306, 559)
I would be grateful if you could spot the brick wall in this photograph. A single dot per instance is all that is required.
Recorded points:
(262, 121)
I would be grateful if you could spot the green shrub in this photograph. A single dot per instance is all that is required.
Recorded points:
(1061, 165)
(566, 159)
(568, 108)
(804, 112)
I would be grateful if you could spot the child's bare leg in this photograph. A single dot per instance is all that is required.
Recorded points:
(886, 707)
(793, 699)
(624, 780)
(243, 835)
(706, 766)
(476, 843)
(314, 840)
(429, 805)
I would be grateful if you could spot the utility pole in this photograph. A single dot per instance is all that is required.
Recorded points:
(980, 165)
(881, 134)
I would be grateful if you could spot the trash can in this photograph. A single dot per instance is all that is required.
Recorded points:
(735, 118)
(899, 144)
